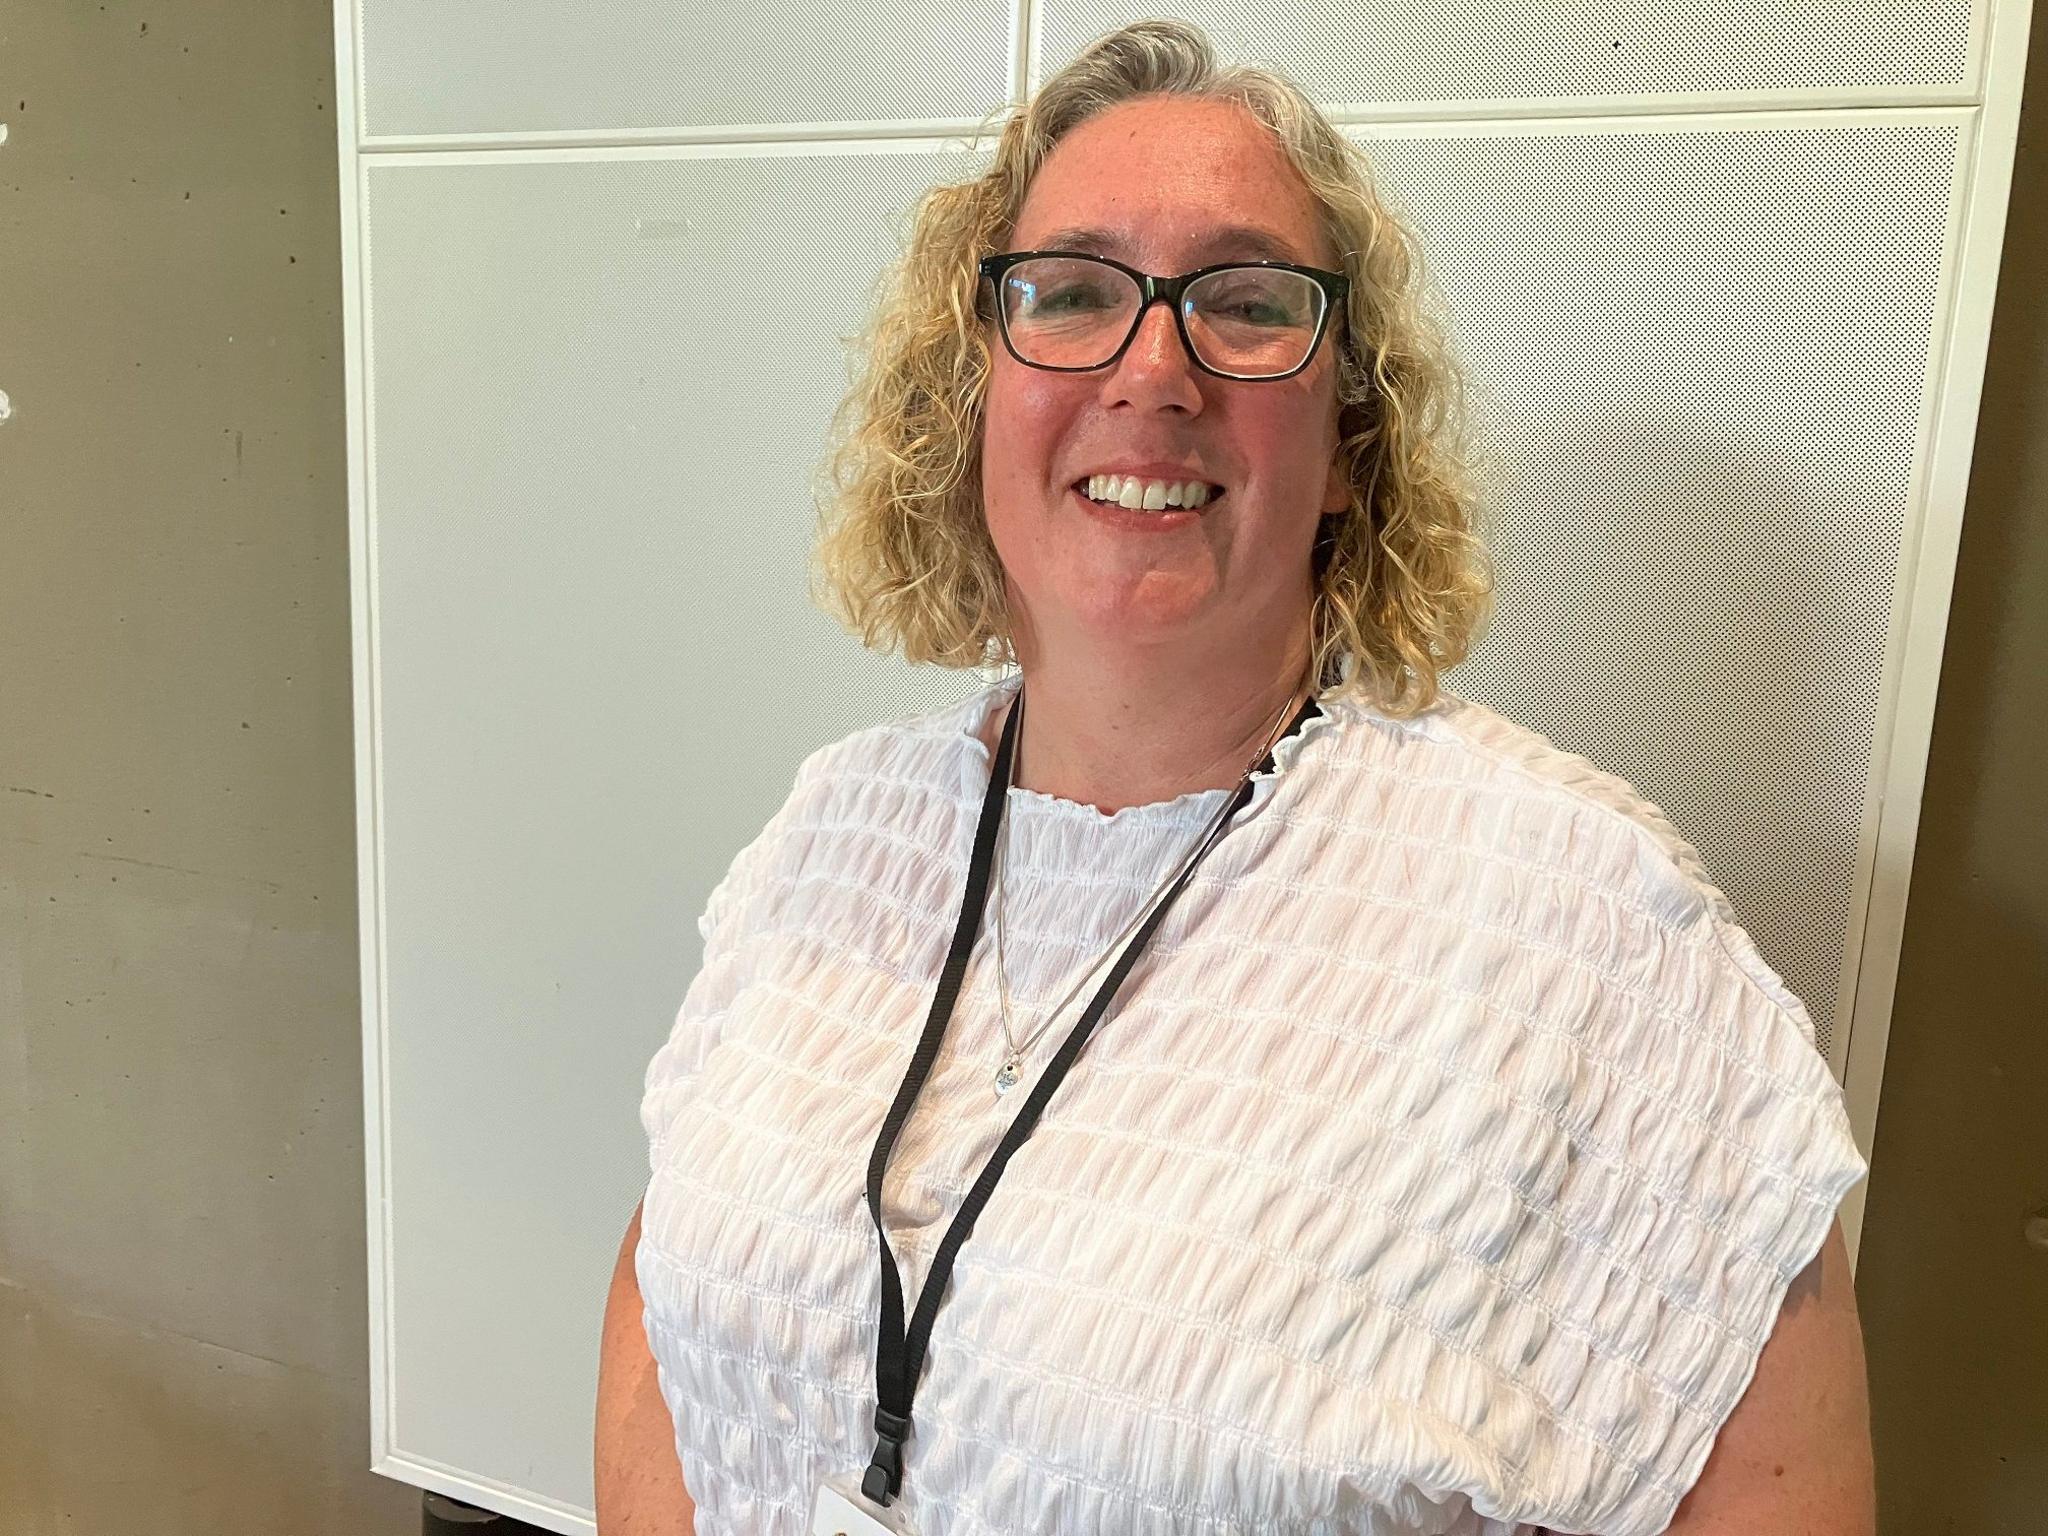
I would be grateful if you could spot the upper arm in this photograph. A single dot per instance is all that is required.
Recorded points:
(622, 1344)
(1794, 1458)
(638, 1484)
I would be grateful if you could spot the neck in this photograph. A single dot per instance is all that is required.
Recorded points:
(1118, 731)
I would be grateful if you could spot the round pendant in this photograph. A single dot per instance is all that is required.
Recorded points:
(1006, 1077)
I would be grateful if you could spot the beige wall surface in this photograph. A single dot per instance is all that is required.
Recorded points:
(1954, 1299)
(182, 1334)
(182, 1321)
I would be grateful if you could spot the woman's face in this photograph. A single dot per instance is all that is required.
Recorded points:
(1169, 186)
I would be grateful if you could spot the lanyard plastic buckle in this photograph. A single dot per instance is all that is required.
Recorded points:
(884, 1476)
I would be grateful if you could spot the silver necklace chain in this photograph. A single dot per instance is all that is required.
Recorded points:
(1013, 1062)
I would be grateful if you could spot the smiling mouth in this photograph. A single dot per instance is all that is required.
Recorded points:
(1080, 488)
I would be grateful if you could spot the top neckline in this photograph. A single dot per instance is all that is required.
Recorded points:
(979, 761)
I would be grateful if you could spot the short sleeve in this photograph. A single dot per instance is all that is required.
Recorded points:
(1714, 1148)
(740, 899)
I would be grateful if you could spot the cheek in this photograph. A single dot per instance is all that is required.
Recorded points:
(1300, 436)
(1023, 425)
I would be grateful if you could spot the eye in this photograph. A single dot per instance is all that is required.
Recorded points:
(1258, 301)
(1071, 298)
(1063, 298)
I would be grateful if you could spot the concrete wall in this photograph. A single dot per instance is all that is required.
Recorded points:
(182, 1338)
(1954, 1300)
(182, 1327)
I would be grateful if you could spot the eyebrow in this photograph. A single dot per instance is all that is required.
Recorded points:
(1222, 243)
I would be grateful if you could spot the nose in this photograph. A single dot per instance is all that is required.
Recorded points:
(1156, 368)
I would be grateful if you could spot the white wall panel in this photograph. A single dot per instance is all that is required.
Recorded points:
(537, 66)
(1421, 53)
(598, 392)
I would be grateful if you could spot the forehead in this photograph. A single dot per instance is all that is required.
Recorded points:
(1173, 184)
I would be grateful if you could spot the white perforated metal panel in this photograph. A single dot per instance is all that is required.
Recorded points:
(536, 66)
(599, 392)
(1701, 359)
(1421, 53)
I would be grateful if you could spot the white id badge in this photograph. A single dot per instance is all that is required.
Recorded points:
(839, 1508)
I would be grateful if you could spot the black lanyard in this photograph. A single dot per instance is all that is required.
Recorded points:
(899, 1358)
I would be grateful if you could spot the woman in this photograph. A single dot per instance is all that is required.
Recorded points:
(1442, 1157)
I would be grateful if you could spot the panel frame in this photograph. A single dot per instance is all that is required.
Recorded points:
(1978, 212)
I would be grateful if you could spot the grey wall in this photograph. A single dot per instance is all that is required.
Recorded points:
(182, 1331)
(1954, 1301)
(182, 1342)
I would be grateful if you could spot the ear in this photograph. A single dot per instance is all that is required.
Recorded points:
(1337, 484)
(1336, 491)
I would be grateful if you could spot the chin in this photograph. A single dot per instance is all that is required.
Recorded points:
(1155, 607)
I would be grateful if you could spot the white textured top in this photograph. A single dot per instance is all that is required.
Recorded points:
(1440, 1167)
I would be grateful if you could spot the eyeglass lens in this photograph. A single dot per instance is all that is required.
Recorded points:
(1067, 313)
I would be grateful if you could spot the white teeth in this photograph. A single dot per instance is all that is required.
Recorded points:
(1147, 495)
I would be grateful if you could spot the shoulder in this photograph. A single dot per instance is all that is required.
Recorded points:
(904, 740)
(903, 746)
(878, 780)
(1460, 744)
(1515, 799)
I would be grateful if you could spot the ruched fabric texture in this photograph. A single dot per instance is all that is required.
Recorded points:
(1439, 1169)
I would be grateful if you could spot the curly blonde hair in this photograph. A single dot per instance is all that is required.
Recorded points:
(1403, 582)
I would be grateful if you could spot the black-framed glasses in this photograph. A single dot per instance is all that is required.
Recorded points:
(1071, 313)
